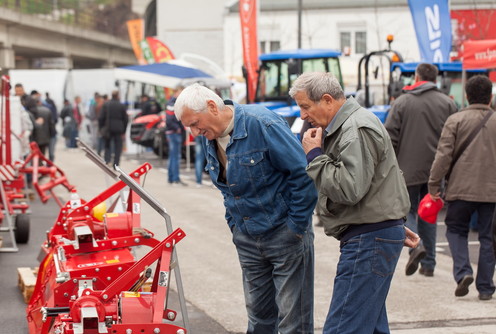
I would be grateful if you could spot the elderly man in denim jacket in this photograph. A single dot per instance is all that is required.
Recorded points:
(259, 166)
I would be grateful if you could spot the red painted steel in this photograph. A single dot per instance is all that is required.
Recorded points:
(89, 281)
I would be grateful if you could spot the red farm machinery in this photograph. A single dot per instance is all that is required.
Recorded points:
(90, 280)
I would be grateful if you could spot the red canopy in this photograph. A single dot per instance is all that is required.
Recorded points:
(479, 54)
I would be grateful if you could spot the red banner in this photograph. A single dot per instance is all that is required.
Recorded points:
(479, 54)
(248, 16)
(161, 53)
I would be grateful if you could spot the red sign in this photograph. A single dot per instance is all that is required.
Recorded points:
(479, 54)
(248, 16)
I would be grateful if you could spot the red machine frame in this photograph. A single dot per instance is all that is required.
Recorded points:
(89, 281)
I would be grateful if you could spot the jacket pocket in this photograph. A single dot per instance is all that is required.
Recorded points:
(253, 165)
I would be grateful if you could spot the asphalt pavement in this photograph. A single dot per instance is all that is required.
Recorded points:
(210, 269)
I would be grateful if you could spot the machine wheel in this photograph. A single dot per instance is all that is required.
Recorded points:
(22, 228)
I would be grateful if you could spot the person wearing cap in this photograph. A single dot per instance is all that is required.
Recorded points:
(471, 185)
(414, 124)
(257, 163)
(362, 200)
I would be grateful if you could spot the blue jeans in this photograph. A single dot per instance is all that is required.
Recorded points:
(175, 141)
(364, 273)
(199, 160)
(457, 220)
(277, 280)
(426, 231)
(51, 148)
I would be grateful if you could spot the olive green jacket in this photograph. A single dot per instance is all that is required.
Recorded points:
(358, 177)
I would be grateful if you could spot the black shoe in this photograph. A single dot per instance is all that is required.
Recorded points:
(426, 272)
(485, 296)
(415, 256)
(462, 288)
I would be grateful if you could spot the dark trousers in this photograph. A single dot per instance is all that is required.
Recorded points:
(457, 228)
(426, 231)
(116, 140)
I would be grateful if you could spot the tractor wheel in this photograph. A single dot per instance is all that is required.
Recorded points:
(22, 228)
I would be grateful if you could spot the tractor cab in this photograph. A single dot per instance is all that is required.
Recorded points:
(449, 79)
(279, 69)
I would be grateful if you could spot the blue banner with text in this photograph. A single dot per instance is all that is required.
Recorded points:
(431, 19)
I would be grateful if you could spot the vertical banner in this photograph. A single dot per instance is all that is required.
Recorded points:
(136, 34)
(248, 16)
(431, 19)
(161, 53)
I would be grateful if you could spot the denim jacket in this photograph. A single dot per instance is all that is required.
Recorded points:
(267, 184)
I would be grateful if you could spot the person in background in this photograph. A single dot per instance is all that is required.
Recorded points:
(414, 124)
(471, 186)
(174, 131)
(50, 104)
(94, 110)
(362, 199)
(78, 119)
(68, 123)
(149, 106)
(257, 163)
(199, 160)
(113, 123)
(42, 124)
(19, 91)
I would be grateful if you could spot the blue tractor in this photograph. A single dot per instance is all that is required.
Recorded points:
(279, 69)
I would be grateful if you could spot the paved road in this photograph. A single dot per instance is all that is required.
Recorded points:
(211, 273)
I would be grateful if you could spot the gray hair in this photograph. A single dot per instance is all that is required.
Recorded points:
(195, 97)
(316, 84)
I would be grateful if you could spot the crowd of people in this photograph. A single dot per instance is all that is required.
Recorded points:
(365, 180)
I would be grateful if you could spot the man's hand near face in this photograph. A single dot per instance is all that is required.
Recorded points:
(312, 138)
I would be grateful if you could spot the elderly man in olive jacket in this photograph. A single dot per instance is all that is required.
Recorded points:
(362, 200)
(471, 187)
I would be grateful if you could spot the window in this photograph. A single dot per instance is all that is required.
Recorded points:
(269, 46)
(345, 42)
(360, 42)
(353, 42)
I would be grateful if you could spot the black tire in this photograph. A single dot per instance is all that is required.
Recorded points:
(22, 228)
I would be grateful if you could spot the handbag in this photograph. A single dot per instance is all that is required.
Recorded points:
(467, 142)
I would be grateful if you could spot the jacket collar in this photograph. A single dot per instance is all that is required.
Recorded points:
(348, 108)
(239, 130)
(477, 106)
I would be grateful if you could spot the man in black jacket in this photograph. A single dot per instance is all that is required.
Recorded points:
(414, 124)
(112, 123)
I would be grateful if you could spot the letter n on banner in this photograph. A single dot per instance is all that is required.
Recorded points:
(248, 16)
(432, 22)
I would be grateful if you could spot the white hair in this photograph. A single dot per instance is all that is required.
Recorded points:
(195, 97)
(316, 84)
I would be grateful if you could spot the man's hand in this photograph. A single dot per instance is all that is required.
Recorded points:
(312, 138)
(412, 239)
(436, 196)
